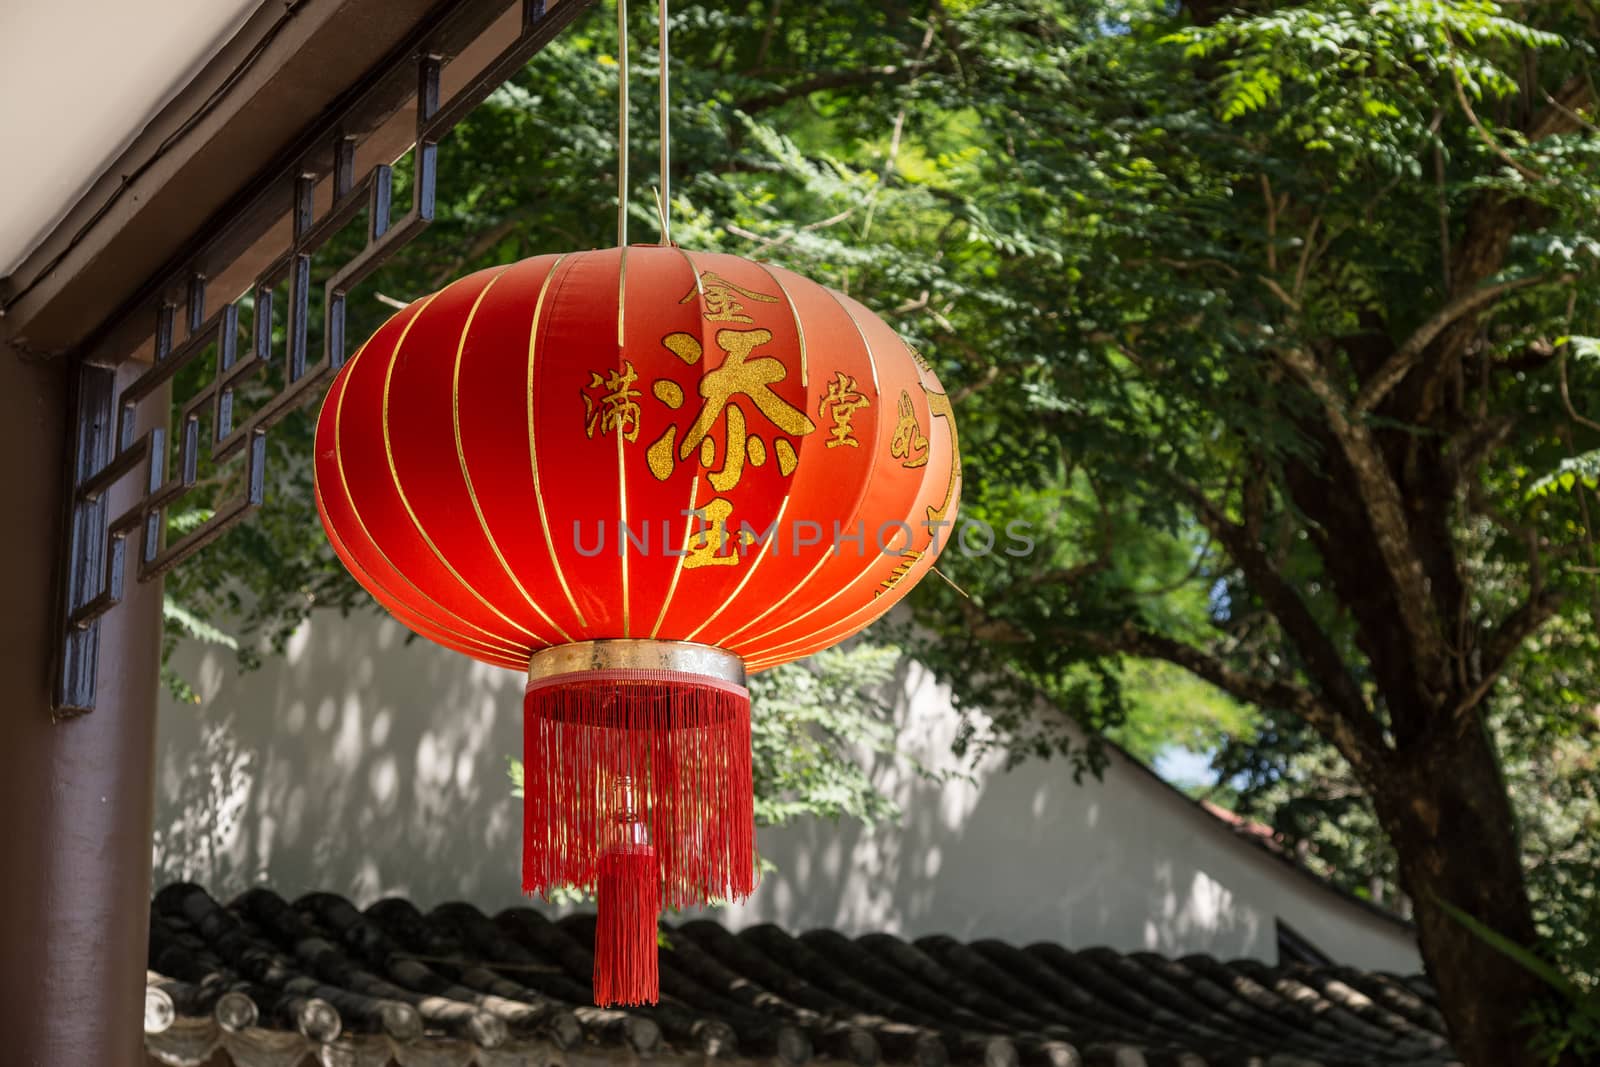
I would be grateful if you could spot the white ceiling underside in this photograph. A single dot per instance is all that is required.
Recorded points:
(78, 81)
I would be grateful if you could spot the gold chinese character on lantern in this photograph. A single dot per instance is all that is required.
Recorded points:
(720, 298)
(714, 544)
(940, 407)
(617, 409)
(909, 443)
(908, 559)
(845, 399)
(738, 377)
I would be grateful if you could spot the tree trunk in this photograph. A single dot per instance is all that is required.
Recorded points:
(1445, 807)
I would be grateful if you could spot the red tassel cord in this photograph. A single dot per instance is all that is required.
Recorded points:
(625, 769)
(626, 967)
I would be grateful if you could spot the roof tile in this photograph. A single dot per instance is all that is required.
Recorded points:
(262, 982)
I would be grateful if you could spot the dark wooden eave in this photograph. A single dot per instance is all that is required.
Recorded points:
(207, 185)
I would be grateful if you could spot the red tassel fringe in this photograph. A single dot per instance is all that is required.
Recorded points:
(625, 764)
(626, 969)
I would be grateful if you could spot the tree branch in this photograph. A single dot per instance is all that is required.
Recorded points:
(1537, 354)
(1278, 291)
(1358, 740)
(1468, 448)
(765, 47)
(1503, 642)
(769, 243)
(1386, 511)
(989, 377)
(1309, 244)
(1562, 116)
(1410, 352)
(1566, 391)
(833, 79)
(1272, 224)
(1488, 138)
(1516, 628)
(1322, 660)
(1207, 12)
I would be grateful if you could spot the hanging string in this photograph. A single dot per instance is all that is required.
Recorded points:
(663, 195)
(622, 123)
(664, 200)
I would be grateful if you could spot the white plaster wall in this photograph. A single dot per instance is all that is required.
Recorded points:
(1028, 855)
(367, 764)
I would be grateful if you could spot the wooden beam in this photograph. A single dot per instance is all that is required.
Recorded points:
(78, 794)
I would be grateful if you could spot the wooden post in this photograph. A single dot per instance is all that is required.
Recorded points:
(76, 795)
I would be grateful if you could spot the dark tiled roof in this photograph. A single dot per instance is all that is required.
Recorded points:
(263, 982)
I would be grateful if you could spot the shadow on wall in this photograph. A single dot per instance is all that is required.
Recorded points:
(1026, 854)
(361, 763)
(369, 765)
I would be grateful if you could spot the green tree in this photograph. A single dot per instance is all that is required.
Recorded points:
(1303, 275)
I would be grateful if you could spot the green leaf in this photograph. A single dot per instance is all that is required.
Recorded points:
(194, 626)
(1572, 471)
(1586, 1003)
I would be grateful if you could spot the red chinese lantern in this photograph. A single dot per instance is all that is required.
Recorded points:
(637, 474)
